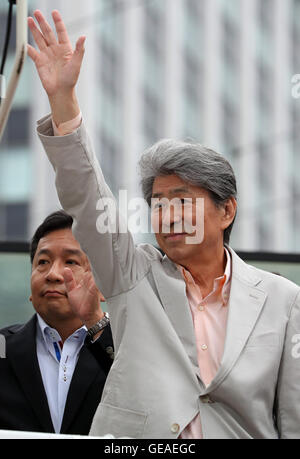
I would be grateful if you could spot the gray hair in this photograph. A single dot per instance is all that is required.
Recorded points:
(194, 164)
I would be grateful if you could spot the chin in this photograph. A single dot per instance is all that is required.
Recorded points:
(178, 254)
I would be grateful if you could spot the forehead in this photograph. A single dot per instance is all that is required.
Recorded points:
(59, 240)
(167, 184)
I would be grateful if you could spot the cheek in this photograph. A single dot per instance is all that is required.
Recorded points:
(212, 222)
(155, 222)
(193, 218)
(190, 215)
(36, 285)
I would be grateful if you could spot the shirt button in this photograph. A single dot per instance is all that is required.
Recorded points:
(175, 428)
(204, 347)
(201, 308)
(109, 350)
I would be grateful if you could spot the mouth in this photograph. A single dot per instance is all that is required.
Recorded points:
(53, 294)
(175, 236)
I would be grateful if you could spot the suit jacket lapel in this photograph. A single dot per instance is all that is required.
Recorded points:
(245, 304)
(172, 291)
(21, 353)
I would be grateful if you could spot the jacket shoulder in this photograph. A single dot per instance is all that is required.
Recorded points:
(11, 329)
(258, 276)
(275, 278)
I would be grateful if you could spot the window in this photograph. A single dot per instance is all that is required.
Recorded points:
(14, 221)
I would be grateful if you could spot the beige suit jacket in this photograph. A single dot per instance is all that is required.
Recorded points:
(154, 388)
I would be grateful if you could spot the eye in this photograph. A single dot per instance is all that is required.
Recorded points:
(71, 262)
(186, 202)
(42, 261)
(158, 205)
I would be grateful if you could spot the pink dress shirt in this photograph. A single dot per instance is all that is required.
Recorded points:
(209, 313)
(210, 320)
(68, 127)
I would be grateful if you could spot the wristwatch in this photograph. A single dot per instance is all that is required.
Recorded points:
(92, 331)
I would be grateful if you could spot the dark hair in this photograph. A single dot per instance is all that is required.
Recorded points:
(55, 221)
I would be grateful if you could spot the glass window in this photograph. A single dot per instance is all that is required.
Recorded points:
(14, 221)
(288, 270)
(15, 306)
(152, 116)
(15, 175)
(17, 221)
(154, 30)
(17, 129)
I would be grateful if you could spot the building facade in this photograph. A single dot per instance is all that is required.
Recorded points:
(215, 71)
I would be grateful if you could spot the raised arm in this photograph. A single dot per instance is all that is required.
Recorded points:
(117, 264)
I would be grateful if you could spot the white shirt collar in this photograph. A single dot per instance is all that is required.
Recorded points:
(49, 333)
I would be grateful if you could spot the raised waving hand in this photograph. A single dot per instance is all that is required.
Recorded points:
(58, 65)
(84, 297)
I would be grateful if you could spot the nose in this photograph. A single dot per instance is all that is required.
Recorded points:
(55, 273)
(172, 217)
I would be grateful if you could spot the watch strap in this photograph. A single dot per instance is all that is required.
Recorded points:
(92, 331)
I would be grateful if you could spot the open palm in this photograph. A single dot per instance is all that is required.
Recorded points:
(84, 296)
(58, 65)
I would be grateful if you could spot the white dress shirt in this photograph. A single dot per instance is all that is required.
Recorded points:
(57, 366)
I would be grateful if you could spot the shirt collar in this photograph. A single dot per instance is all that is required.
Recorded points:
(49, 333)
(227, 271)
(188, 278)
(227, 274)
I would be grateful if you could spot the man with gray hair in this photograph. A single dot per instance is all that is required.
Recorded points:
(203, 342)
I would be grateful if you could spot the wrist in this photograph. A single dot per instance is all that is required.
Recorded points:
(91, 321)
(64, 106)
(96, 329)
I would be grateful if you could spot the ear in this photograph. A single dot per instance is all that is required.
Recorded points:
(30, 298)
(229, 211)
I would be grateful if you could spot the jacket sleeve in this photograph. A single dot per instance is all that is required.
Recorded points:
(83, 193)
(287, 410)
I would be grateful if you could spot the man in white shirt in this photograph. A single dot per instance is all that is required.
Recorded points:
(56, 364)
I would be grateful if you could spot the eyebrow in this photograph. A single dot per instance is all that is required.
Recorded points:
(74, 252)
(174, 191)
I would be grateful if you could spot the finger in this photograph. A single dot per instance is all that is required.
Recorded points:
(45, 28)
(32, 53)
(79, 51)
(69, 280)
(37, 35)
(80, 44)
(101, 296)
(60, 28)
(88, 281)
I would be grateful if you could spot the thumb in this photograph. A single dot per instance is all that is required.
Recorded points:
(79, 49)
(69, 280)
